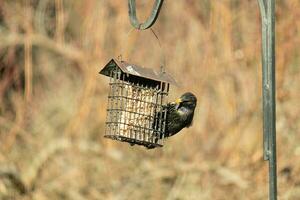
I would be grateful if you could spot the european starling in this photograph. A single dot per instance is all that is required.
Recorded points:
(179, 115)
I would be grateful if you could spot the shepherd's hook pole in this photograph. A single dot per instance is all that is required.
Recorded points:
(267, 10)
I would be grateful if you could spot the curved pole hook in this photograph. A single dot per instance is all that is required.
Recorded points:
(151, 19)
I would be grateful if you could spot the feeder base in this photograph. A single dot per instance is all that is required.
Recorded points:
(133, 141)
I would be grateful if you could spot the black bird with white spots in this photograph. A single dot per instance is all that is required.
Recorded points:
(179, 115)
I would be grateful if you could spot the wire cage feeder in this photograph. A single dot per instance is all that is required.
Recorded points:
(136, 103)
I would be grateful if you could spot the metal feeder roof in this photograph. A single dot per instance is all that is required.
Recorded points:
(137, 71)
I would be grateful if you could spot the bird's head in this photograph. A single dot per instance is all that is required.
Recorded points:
(187, 101)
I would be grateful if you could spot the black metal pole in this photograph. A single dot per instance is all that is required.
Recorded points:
(267, 9)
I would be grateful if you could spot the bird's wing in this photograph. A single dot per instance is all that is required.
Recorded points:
(190, 120)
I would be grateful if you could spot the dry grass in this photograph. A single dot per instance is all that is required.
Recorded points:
(52, 101)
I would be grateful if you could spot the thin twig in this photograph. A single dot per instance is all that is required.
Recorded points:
(9, 39)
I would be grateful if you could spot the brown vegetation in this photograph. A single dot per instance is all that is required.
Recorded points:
(53, 102)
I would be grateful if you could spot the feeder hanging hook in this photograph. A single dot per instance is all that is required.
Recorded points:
(150, 20)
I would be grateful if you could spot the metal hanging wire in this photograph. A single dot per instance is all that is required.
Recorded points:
(147, 24)
(163, 55)
(162, 52)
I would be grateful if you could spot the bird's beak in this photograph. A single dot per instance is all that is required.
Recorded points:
(177, 102)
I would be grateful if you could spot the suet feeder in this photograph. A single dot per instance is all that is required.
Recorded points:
(136, 103)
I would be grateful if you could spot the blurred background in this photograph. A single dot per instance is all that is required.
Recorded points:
(53, 101)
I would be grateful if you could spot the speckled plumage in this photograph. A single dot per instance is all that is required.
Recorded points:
(180, 115)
